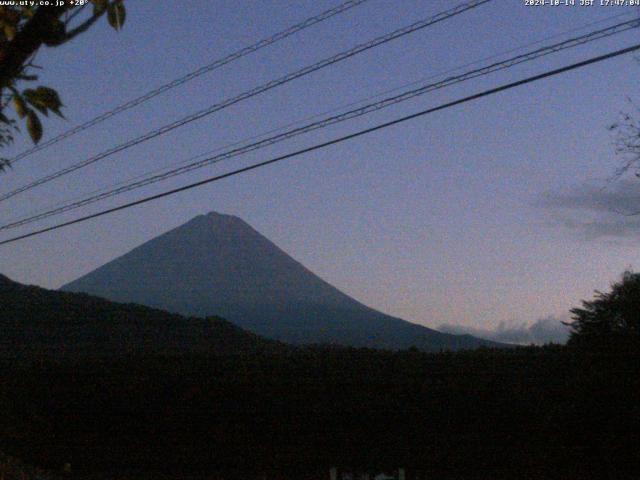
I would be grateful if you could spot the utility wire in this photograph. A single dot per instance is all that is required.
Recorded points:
(194, 74)
(282, 128)
(334, 141)
(525, 57)
(251, 93)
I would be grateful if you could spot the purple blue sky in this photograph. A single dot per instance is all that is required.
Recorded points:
(487, 216)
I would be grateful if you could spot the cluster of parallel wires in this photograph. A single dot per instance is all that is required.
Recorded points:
(320, 121)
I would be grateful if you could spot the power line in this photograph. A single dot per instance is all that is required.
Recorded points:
(251, 93)
(366, 109)
(192, 75)
(319, 146)
(282, 128)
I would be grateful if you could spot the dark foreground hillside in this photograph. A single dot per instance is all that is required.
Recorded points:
(36, 321)
(525, 413)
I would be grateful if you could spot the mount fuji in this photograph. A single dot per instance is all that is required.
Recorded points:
(219, 265)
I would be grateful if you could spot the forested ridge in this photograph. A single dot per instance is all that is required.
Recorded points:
(152, 395)
(36, 321)
(536, 411)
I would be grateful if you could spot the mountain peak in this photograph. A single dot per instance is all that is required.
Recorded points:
(217, 264)
(216, 219)
(217, 215)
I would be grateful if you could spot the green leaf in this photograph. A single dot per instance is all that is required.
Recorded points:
(27, 11)
(116, 14)
(42, 110)
(9, 31)
(99, 6)
(31, 95)
(49, 97)
(34, 127)
(56, 32)
(19, 106)
(57, 112)
(44, 99)
(35, 101)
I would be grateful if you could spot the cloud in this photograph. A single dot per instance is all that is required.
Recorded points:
(542, 331)
(622, 197)
(611, 211)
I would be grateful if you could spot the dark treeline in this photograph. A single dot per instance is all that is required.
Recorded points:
(90, 383)
(533, 412)
(38, 322)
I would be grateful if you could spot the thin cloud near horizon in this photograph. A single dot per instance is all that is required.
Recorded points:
(545, 330)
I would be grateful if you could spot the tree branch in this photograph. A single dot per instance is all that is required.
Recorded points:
(83, 27)
(27, 41)
(75, 13)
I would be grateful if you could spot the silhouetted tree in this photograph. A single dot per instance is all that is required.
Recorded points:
(611, 319)
(23, 30)
(627, 142)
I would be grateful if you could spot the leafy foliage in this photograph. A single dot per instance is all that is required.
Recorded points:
(612, 319)
(23, 30)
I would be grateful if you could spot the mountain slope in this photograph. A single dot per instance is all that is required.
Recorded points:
(217, 264)
(35, 321)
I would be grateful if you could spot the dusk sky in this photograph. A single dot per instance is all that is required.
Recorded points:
(495, 212)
